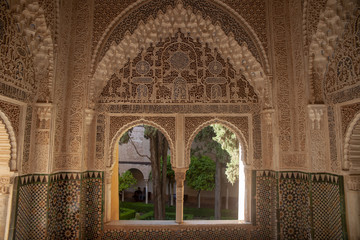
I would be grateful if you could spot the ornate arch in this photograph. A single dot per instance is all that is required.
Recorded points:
(165, 25)
(12, 141)
(352, 142)
(330, 28)
(32, 23)
(234, 129)
(127, 126)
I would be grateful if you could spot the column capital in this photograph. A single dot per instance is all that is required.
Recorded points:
(89, 116)
(316, 112)
(180, 175)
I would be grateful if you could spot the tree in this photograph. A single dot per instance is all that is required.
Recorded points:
(230, 144)
(126, 180)
(158, 150)
(170, 174)
(201, 175)
(206, 145)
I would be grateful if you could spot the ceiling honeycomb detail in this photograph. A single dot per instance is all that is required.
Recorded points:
(165, 25)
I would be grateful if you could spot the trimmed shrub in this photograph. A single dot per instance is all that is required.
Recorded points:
(126, 213)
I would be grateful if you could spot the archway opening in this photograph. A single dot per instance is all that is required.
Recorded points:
(5, 175)
(145, 174)
(215, 181)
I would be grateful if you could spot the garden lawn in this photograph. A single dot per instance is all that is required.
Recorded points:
(189, 213)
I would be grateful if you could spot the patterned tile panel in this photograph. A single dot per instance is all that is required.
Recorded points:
(92, 186)
(224, 233)
(31, 207)
(326, 207)
(294, 205)
(64, 206)
(266, 200)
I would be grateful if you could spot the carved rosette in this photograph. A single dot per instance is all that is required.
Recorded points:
(318, 133)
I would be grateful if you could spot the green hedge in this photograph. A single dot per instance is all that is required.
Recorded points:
(138, 206)
(168, 216)
(147, 216)
(126, 213)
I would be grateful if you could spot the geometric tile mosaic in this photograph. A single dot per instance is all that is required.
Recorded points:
(266, 202)
(92, 206)
(288, 205)
(64, 206)
(294, 205)
(326, 207)
(180, 232)
(31, 207)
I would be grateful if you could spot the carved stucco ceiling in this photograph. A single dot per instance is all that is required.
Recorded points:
(125, 38)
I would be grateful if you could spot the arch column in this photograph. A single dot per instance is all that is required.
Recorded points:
(146, 190)
(180, 174)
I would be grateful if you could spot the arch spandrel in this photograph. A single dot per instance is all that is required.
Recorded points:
(179, 18)
(179, 70)
(198, 123)
(154, 122)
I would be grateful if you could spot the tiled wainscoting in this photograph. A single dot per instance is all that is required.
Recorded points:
(286, 205)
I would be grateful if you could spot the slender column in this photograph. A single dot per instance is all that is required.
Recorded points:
(180, 178)
(146, 190)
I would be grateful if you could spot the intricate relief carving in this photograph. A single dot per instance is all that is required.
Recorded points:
(353, 182)
(17, 75)
(316, 113)
(293, 161)
(343, 71)
(32, 23)
(27, 140)
(351, 160)
(312, 10)
(193, 108)
(12, 112)
(178, 70)
(331, 25)
(41, 148)
(348, 113)
(4, 185)
(146, 35)
(282, 76)
(318, 134)
(335, 163)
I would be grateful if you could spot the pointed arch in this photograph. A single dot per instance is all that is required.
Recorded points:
(242, 140)
(165, 25)
(7, 132)
(123, 129)
(351, 157)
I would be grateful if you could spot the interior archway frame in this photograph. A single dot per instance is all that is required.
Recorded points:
(141, 121)
(167, 24)
(217, 120)
(13, 164)
(349, 138)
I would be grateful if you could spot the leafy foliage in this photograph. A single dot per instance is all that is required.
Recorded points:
(208, 146)
(230, 144)
(126, 180)
(201, 173)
